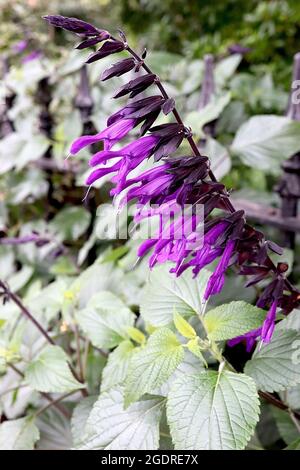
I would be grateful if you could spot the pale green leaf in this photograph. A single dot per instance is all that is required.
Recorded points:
(79, 419)
(105, 320)
(136, 335)
(234, 319)
(116, 368)
(18, 434)
(219, 157)
(50, 372)
(165, 294)
(265, 141)
(55, 432)
(276, 365)
(111, 427)
(209, 411)
(153, 364)
(183, 327)
(197, 119)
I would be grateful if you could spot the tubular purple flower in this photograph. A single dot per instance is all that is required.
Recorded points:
(250, 339)
(138, 109)
(217, 279)
(129, 156)
(269, 323)
(110, 136)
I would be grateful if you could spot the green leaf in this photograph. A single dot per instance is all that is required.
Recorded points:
(294, 445)
(219, 157)
(95, 279)
(194, 347)
(291, 322)
(183, 327)
(234, 319)
(18, 434)
(71, 222)
(55, 432)
(287, 429)
(292, 397)
(212, 411)
(50, 372)
(165, 294)
(117, 365)
(197, 119)
(152, 365)
(111, 427)
(136, 335)
(264, 142)
(105, 325)
(225, 68)
(79, 419)
(276, 366)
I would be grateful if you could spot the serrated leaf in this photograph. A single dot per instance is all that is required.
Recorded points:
(50, 372)
(234, 319)
(152, 365)
(116, 368)
(212, 411)
(79, 419)
(183, 327)
(105, 320)
(165, 294)
(111, 427)
(18, 434)
(276, 366)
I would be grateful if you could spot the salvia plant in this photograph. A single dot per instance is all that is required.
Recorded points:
(167, 377)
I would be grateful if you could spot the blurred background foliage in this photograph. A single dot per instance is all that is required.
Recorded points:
(253, 43)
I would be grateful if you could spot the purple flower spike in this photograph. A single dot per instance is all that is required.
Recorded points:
(74, 25)
(110, 136)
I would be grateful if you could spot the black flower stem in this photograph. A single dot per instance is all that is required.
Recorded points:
(190, 139)
(10, 295)
(48, 397)
(54, 402)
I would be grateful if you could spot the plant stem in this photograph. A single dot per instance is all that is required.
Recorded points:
(30, 317)
(78, 353)
(25, 311)
(48, 397)
(217, 354)
(177, 116)
(54, 402)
